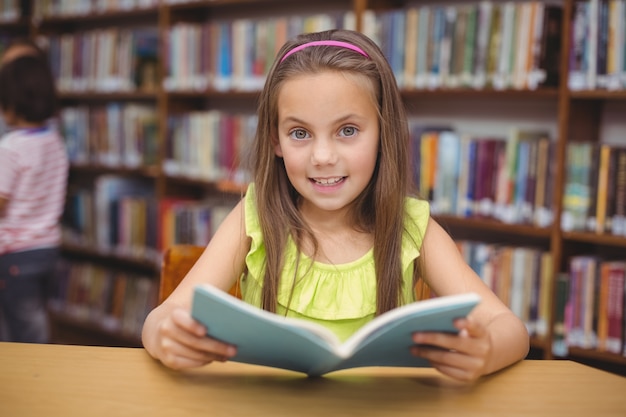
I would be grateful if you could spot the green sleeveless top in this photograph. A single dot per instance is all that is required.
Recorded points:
(339, 297)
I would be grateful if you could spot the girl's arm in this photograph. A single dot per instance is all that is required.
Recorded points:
(491, 337)
(169, 333)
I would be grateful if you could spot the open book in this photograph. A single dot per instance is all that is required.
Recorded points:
(265, 338)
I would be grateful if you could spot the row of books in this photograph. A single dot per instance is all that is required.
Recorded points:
(209, 145)
(114, 135)
(235, 54)
(593, 313)
(595, 188)
(113, 300)
(520, 276)
(508, 179)
(106, 60)
(185, 221)
(487, 44)
(120, 216)
(500, 45)
(56, 8)
(597, 57)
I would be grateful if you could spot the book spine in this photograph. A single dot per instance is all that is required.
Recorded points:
(577, 64)
(618, 225)
(616, 308)
(603, 312)
(601, 196)
(603, 41)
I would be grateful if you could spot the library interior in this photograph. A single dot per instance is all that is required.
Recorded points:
(516, 116)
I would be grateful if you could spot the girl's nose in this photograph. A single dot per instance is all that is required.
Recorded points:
(323, 152)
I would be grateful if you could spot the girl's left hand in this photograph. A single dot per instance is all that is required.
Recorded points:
(463, 356)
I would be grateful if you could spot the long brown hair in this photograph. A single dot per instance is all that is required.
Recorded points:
(380, 208)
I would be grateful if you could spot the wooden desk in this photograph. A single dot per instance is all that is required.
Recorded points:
(55, 380)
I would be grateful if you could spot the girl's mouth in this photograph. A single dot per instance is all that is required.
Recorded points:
(327, 181)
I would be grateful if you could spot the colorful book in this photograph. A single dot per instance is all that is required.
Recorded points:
(618, 223)
(615, 307)
(264, 338)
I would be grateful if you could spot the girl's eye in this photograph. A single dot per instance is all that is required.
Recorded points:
(348, 131)
(298, 134)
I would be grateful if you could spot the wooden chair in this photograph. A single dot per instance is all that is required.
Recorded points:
(177, 261)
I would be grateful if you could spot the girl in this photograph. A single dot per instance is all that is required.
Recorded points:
(33, 177)
(328, 231)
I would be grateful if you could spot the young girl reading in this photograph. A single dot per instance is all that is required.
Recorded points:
(329, 230)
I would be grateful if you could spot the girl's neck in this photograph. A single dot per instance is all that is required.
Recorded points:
(18, 123)
(338, 240)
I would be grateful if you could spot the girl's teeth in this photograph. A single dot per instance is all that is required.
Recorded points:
(328, 181)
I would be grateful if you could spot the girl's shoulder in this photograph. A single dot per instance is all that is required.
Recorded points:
(416, 210)
(417, 214)
(253, 226)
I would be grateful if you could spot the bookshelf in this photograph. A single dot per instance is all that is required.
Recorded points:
(567, 115)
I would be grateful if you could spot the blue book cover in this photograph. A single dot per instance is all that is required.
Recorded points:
(264, 338)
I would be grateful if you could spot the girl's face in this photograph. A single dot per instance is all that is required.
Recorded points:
(328, 137)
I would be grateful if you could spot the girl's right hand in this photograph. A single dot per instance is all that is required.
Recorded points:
(182, 342)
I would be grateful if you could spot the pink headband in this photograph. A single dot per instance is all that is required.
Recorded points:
(325, 43)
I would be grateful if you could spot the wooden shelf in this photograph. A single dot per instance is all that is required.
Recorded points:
(107, 97)
(195, 4)
(492, 225)
(213, 94)
(18, 25)
(64, 22)
(112, 258)
(595, 354)
(95, 169)
(598, 95)
(543, 93)
(597, 239)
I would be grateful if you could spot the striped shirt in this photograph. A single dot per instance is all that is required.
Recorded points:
(33, 177)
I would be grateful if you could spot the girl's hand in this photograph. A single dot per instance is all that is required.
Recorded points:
(183, 342)
(463, 356)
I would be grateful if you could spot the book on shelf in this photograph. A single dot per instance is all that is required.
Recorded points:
(603, 190)
(268, 339)
(111, 299)
(424, 30)
(561, 291)
(618, 224)
(594, 309)
(615, 307)
(615, 44)
(188, 221)
(550, 51)
(544, 299)
(577, 191)
(447, 176)
(594, 174)
(410, 53)
(117, 203)
(597, 47)
(577, 79)
(145, 55)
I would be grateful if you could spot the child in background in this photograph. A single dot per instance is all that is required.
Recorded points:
(329, 230)
(33, 178)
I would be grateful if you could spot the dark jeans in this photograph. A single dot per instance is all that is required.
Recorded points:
(24, 279)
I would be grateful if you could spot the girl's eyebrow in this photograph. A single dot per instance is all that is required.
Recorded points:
(335, 121)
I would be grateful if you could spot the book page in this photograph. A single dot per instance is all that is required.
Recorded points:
(412, 311)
